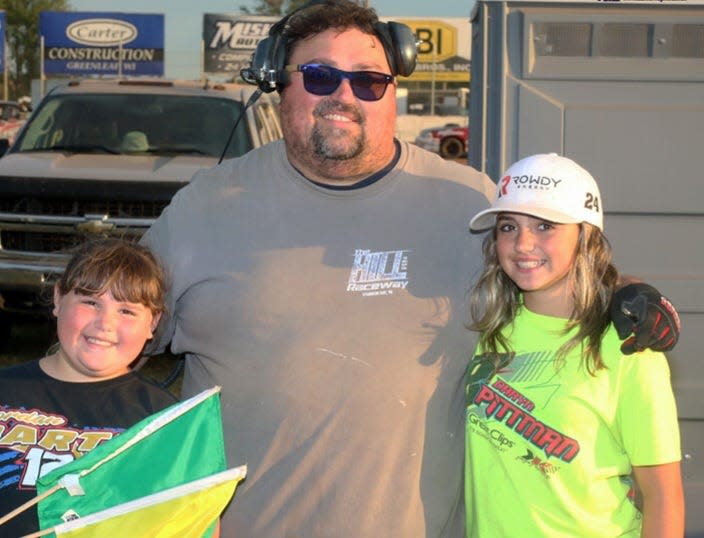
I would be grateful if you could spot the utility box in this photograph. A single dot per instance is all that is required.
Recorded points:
(619, 88)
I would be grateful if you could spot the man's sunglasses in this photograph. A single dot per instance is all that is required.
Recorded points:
(324, 80)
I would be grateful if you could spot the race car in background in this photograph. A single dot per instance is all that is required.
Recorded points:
(450, 141)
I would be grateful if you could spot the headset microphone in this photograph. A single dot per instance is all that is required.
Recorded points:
(250, 102)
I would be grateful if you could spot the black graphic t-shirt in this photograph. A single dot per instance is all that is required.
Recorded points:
(46, 423)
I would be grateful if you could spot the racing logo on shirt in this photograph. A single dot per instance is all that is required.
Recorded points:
(491, 397)
(547, 469)
(494, 435)
(378, 273)
(33, 443)
(508, 406)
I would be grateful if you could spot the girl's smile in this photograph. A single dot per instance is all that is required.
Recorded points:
(538, 256)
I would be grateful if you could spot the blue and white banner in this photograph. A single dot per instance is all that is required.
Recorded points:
(230, 40)
(102, 43)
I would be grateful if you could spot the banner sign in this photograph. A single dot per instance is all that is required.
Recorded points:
(3, 40)
(230, 40)
(444, 49)
(102, 43)
(443, 54)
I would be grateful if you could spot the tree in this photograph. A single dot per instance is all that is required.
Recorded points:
(22, 33)
(273, 7)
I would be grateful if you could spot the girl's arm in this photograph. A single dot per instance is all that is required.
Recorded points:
(663, 500)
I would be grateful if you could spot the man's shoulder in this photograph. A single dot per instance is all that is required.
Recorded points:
(430, 165)
(239, 168)
(218, 184)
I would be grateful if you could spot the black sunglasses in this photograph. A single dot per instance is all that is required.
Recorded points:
(324, 80)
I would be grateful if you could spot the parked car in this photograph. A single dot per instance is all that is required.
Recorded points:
(450, 141)
(13, 115)
(104, 158)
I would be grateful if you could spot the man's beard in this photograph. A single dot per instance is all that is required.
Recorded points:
(337, 144)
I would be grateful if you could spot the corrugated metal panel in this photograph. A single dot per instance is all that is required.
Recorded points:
(629, 106)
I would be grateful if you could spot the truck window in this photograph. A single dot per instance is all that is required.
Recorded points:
(114, 123)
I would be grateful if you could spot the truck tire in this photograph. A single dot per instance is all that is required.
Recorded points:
(451, 148)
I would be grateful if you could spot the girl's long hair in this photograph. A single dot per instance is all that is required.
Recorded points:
(495, 299)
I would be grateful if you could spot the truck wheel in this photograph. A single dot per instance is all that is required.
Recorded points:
(451, 148)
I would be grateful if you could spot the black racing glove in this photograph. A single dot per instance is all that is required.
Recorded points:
(644, 318)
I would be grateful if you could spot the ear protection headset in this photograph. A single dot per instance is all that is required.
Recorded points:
(266, 69)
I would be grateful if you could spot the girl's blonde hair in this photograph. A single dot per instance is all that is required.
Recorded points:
(127, 270)
(495, 299)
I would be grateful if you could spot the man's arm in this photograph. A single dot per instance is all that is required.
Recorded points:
(644, 318)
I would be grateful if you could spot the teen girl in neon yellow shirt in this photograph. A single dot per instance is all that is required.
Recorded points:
(562, 429)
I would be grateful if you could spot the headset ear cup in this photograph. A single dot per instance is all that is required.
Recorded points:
(260, 62)
(382, 32)
(278, 60)
(269, 59)
(405, 51)
(267, 66)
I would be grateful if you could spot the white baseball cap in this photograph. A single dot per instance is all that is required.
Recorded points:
(546, 186)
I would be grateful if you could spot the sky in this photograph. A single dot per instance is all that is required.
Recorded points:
(183, 21)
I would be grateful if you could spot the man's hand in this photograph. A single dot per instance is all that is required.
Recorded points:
(644, 318)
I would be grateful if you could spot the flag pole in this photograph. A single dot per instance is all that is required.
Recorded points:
(29, 504)
(39, 533)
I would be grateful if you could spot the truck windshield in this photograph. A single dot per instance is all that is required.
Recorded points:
(136, 124)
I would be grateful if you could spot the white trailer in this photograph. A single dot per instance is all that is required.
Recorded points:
(619, 87)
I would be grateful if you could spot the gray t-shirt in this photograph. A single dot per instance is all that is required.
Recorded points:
(334, 320)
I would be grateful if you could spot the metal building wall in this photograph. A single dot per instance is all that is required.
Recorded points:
(636, 123)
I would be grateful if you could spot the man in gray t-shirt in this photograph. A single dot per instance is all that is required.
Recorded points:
(320, 280)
